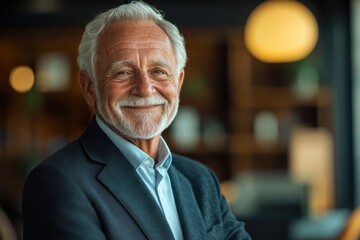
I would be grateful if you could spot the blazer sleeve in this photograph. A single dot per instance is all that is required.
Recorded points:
(54, 207)
(233, 228)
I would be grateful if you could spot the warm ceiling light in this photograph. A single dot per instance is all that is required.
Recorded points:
(281, 31)
(22, 78)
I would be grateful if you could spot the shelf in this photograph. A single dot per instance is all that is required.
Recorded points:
(246, 144)
(282, 97)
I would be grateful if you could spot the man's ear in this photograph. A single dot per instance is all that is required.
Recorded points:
(181, 79)
(87, 88)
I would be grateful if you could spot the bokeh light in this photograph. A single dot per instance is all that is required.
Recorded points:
(22, 79)
(281, 31)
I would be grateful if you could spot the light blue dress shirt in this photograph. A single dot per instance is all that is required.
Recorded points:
(155, 177)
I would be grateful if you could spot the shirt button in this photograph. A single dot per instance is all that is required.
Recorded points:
(147, 162)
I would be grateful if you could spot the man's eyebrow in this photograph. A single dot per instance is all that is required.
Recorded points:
(160, 63)
(120, 63)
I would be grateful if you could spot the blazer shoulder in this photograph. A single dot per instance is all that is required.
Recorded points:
(184, 163)
(193, 169)
(69, 150)
(67, 157)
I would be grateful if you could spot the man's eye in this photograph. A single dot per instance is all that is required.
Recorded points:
(159, 72)
(122, 73)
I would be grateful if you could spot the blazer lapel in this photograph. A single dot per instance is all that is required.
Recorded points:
(189, 213)
(135, 197)
(119, 176)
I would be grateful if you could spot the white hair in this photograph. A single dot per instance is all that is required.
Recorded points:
(136, 11)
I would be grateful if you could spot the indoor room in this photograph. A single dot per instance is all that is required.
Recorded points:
(270, 102)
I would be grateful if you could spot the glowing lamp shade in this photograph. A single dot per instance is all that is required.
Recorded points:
(22, 79)
(281, 31)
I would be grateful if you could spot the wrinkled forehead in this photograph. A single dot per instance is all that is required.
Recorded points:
(126, 40)
(133, 32)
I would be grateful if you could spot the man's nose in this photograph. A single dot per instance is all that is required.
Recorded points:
(143, 85)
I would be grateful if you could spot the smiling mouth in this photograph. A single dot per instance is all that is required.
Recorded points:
(143, 108)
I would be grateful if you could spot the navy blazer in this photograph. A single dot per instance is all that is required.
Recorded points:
(88, 190)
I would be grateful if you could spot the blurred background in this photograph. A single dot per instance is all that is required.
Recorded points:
(271, 102)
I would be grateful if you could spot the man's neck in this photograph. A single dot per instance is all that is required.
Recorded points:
(149, 146)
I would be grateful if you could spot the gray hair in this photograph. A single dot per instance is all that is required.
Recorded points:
(136, 11)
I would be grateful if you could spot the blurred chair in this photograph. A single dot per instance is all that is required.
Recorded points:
(266, 200)
(7, 230)
(325, 227)
(352, 228)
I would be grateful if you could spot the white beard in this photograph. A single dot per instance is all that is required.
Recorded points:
(144, 127)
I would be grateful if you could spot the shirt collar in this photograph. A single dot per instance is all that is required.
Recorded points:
(134, 154)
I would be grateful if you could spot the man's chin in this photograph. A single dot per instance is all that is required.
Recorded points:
(138, 135)
(138, 131)
(136, 127)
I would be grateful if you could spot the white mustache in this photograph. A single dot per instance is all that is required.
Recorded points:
(133, 101)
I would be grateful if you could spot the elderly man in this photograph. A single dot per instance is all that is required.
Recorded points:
(120, 180)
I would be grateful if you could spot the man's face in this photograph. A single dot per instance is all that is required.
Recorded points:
(137, 89)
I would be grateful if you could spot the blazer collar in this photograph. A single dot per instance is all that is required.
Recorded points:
(120, 177)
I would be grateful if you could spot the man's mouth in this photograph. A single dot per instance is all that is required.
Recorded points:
(144, 107)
